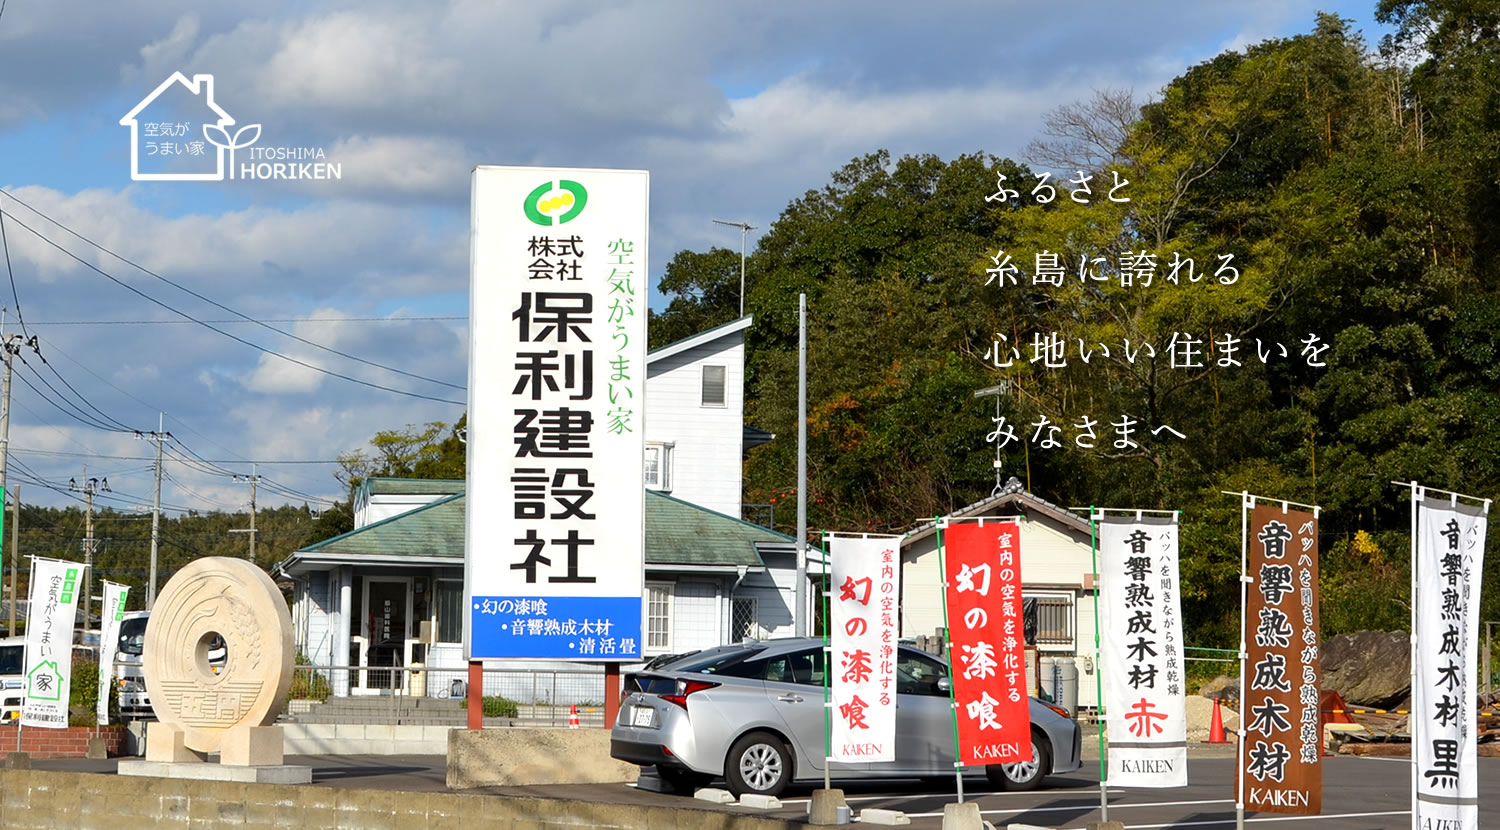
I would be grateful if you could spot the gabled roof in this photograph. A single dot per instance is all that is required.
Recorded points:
(391, 486)
(731, 327)
(1013, 493)
(678, 533)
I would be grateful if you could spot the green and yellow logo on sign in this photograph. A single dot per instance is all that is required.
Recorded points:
(553, 203)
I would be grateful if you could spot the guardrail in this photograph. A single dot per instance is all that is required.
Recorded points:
(422, 694)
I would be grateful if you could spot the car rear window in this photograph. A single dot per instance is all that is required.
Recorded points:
(718, 662)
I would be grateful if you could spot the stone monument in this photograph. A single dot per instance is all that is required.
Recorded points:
(205, 705)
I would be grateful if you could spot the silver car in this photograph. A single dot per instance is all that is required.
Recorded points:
(753, 714)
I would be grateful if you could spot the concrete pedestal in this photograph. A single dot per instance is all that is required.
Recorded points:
(275, 774)
(828, 807)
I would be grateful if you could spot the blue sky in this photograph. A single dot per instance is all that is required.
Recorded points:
(734, 110)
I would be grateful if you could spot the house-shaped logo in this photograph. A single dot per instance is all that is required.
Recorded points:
(214, 123)
(44, 682)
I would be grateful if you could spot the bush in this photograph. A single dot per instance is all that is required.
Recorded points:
(83, 695)
(308, 685)
(496, 707)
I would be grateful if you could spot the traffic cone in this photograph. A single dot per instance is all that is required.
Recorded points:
(1216, 729)
(573, 717)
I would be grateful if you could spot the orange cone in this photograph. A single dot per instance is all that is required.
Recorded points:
(1216, 729)
(573, 717)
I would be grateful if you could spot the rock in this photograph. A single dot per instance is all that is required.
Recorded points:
(1369, 668)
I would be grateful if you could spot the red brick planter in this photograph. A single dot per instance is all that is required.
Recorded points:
(72, 742)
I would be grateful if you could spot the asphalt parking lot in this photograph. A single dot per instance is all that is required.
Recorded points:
(1358, 794)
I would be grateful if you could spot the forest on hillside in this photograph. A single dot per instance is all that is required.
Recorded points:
(1354, 188)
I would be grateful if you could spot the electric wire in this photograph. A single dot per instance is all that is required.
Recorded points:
(143, 269)
(132, 289)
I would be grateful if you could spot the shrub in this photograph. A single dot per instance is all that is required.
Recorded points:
(496, 707)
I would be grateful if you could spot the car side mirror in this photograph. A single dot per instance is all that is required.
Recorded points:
(943, 684)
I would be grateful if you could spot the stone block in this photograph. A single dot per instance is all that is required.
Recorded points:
(164, 744)
(18, 760)
(528, 757)
(713, 795)
(888, 818)
(963, 816)
(1106, 825)
(98, 749)
(252, 746)
(760, 802)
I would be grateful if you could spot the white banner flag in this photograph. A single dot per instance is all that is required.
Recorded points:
(55, 586)
(109, 640)
(866, 588)
(1449, 561)
(1145, 700)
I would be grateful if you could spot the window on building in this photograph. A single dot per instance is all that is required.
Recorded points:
(658, 616)
(450, 603)
(659, 466)
(713, 385)
(743, 618)
(1054, 619)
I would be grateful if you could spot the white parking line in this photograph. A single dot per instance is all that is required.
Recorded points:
(1324, 817)
(1406, 761)
(1089, 807)
(1053, 793)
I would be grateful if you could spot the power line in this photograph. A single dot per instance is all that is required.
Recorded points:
(143, 269)
(150, 458)
(132, 289)
(58, 407)
(266, 320)
(5, 245)
(111, 385)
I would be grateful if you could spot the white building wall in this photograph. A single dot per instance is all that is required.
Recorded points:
(318, 645)
(707, 440)
(383, 506)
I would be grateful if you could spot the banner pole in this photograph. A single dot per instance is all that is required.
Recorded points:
(1246, 502)
(1411, 718)
(827, 662)
(1098, 662)
(958, 764)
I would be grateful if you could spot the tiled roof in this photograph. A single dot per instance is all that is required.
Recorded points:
(381, 486)
(677, 533)
(1013, 491)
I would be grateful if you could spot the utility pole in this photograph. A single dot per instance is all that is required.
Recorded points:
(254, 480)
(12, 345)
(15, 554)
(157, 436)
(89, 488)
(744, 228)
(800, 618)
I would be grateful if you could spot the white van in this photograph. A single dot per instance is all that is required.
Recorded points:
(12, 678)
(135, 703)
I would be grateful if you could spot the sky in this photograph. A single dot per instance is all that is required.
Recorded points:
(735, 109)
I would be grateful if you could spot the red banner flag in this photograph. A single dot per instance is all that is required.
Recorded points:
(983, 576)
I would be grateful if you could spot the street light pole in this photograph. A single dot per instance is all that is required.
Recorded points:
(744, 229)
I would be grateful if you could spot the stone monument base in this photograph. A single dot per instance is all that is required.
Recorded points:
(271, 774)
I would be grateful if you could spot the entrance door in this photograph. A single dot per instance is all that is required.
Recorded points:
(387, 628)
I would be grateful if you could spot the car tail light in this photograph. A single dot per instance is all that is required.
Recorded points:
(685, 688)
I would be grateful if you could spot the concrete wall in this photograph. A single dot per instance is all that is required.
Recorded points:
(44, 800)
(526, 757)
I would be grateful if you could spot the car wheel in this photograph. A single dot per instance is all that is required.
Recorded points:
(682, 781)
(758, 763)
(1026, 775)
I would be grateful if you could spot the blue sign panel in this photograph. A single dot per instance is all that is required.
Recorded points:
(606, 629)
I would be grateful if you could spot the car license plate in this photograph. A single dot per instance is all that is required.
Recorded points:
(642, 716)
